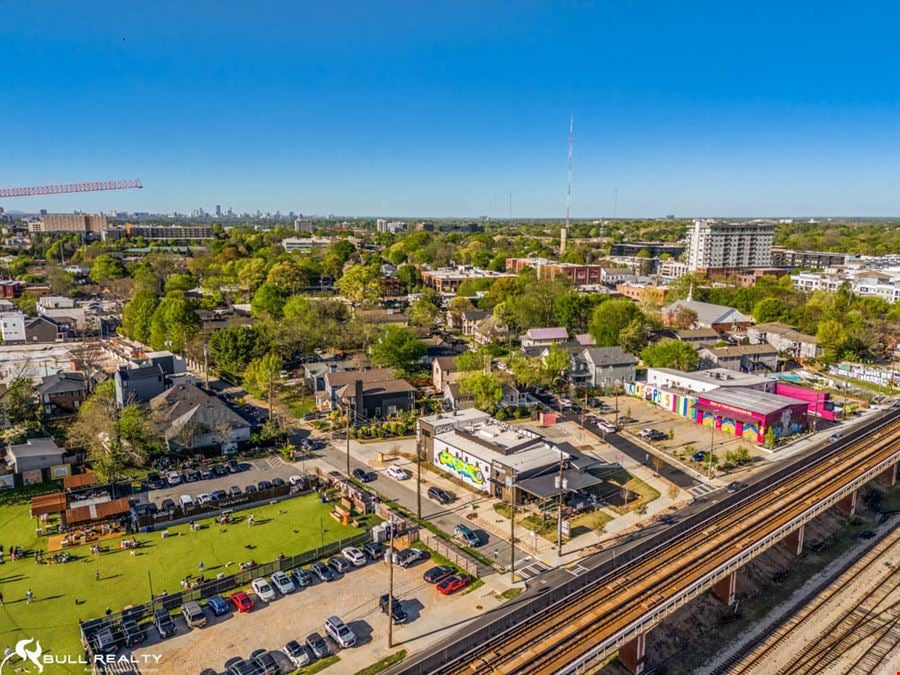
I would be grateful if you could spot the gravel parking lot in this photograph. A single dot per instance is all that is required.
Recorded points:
(354, 598)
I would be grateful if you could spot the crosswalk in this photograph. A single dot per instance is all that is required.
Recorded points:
(274, 461)
(532, 570)
(576, 569)
(701, 489)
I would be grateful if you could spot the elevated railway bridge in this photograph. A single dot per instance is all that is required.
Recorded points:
(582, 621)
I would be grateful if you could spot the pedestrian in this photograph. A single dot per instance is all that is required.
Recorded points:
(7, 653)
(97, 575)
(108, 611)
(29, 596)
(250, 520)
(200, 566)
(1, 599)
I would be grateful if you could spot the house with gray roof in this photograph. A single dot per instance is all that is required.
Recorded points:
(743, 358)
(190, 418)
(544, 337)
(34, 454)
(138, 384)
(717, 317)
(62, 393)
(601, 367)
(786, 339)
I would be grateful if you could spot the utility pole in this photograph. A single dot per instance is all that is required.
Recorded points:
(206, 364)
(391, 590)
(512, 532)
(271, 377)
(419, 472)
(347, 428)
(561, 484)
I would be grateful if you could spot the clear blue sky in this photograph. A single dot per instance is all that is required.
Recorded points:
(443, 108)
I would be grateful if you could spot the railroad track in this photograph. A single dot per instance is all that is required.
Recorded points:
(576, 628)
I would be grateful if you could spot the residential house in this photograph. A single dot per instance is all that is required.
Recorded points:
(786, 339)
(192, 419)
(314, 373)
(63, 393)
(56, 302)
(443, 372)
(489, 330)
(718, 317)
(471, 318)
(743, 358)
(698, 336)
(544, 337)
(34, 454)
(73, 318)
(12, 328)
(375, 400)
(457, 399)
(138, 384)
(601, 367)
(327, 398)
(43, 329)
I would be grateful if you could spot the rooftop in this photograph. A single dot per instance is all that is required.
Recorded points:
(750, 399)
(35, 447)
(609, 356)
(721, 377)
(742, 350)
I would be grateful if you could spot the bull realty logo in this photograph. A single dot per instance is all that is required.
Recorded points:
(24, 660)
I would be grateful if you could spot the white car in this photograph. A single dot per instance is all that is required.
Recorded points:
(295, 480)
(283, 583)
(173, 478)
(296, 653)
(186, 502)
(203, 498)
(340, 632)
(397, 473)
(354, 555)
(262, 588)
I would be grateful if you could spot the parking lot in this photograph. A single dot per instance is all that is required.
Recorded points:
(353, 597)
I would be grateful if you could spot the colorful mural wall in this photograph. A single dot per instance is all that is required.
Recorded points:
(467, 468)
(680, 404)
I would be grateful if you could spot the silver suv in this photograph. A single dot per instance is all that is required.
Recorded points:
(340, 632)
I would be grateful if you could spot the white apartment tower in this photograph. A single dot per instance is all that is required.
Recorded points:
(719, 246)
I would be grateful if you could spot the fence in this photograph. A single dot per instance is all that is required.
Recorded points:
(453, 554)
(173, 601)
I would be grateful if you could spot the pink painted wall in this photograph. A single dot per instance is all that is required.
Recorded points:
(819, 403)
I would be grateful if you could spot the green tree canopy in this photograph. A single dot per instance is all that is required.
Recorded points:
(671, 354)
(397, 347)
(138, 314)
(173, 323)
(233, 347)
(105, 268)
(361, 284)
(268, 302)
(485, 390)
(610, 319)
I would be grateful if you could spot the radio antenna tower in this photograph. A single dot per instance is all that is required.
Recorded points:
(564, 233)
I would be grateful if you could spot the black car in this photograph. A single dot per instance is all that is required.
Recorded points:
(302, 577)
(323, 571)
(340, 564)
(155, 481)
(265, 663)
(242, 667)
(397, 612)
(233, 466)
(191, 476)
(439, 495)
(277, 482)
(438, 574)
(133, 633)
(264, 485)
(206, 473)
(169, 505)
(164, 624)
(218, 495)
(735, 486)
(220, 470)
(317, 645)
(250, 489)
(373, 550)
(362, 476)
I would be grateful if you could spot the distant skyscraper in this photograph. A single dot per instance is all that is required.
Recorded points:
(714, 246)
(302, 224)
(218, 211)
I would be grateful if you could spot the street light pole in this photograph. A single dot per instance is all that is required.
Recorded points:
(560, 483)
(418, 474)
(348, 440)
(512, 533)
(391, 590)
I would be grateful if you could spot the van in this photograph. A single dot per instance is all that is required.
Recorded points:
(193, 614)
(186, 502)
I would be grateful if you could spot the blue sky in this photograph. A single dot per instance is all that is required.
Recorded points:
(444, 108)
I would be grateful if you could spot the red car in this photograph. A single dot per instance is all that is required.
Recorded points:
(242, 602)
(453, 584)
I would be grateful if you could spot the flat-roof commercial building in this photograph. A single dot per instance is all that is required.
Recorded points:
(706, 380)
(750, 413)
(449, 279)
(495, 458)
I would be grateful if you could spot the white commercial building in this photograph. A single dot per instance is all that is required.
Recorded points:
(715, 245)
(13, 327)
(700, 381)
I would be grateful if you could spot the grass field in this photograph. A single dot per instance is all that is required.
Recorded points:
(67, 592)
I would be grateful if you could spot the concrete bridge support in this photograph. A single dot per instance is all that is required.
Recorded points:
(726, 589)
(632, 654)
(889, 476)
(847, 505)
(794, 541)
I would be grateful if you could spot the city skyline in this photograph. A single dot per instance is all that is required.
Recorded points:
(444, 111)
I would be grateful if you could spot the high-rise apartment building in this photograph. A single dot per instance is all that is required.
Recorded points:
(716, 246)
(69, 222)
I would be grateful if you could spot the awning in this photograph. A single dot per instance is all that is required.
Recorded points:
(46, 504)
(79, 480)
(97, 512)
(545, 486)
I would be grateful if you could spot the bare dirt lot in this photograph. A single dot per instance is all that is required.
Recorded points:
(354, 598)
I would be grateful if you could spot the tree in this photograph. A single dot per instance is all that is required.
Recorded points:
(769, 439)
(683, 318)
(361, 285)
(610, 319)
(232, 348)
(288, 277)
(572, 310)
(409, 277)
(634, 336)
(767, 310)
(262, 374)
(397, 347)
(424, 312)
(173, 323)
(20, 404)
(831, 337)
(251, 272)
(527, 372)
(485, 390)
(555, 364)
(180, 282)
(472, 360)
(137, 315)
(268, 302)
(60, 281)
(106, 268)
(671, 354)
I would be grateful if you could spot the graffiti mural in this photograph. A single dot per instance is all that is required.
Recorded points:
(465, 470)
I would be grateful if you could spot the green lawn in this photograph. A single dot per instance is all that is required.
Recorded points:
(66, 592)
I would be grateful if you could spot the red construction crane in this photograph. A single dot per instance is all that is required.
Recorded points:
(95, 186)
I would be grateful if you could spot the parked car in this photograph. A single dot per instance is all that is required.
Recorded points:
(218, 495)
(193, 614)
(206, 473)
(340, 632)
(373, 550)
(173, 478)
(354, 555)
(191, 476)
(250, 489)
(410, 556)
(625, 419)
(220, 470)
(185, 502)
(233, 466)
(397, 473)
(264, 485)
(242, 667)
(339, 564)
(397, 612)
(155, 481)
(439, 573)
(217, 605)
(104, 642)
(297, 654)
(235, 491)
(439, 495)
(265, 663)
(283, 583)
(203, 498)
(836, 436)
(296, 479)
(323, 571)
(302, 577)
(164, 623)
(735, 486)
(466, 536)
(263, 589)
(362, 475)
(277, 482)
(169, 505)
(241, 601)
(317, 645)
(453, 583)
(699, 456)
(607, 427)
(132, 633)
